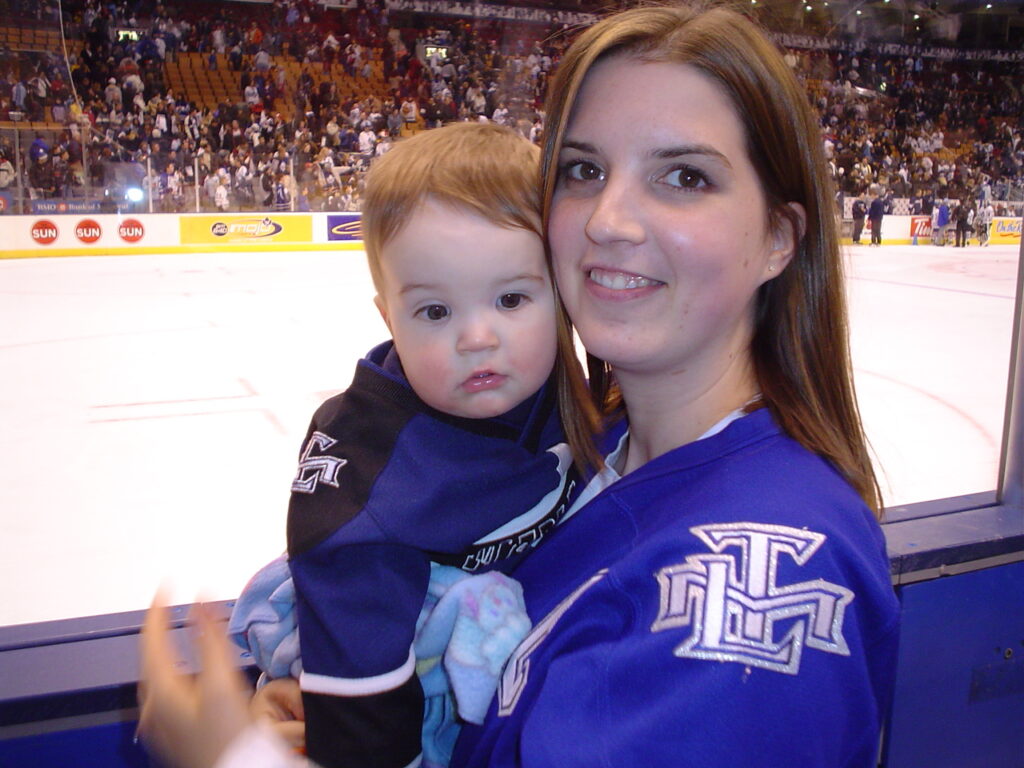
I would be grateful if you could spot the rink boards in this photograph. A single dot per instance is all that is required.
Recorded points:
(128, 234)
(132, 234)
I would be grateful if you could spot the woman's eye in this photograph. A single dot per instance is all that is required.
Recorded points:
(434, 312)
(582, 170)
(510, 300)
(685, 178)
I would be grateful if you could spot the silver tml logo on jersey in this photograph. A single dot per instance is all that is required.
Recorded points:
(733, 601)
(317, 469)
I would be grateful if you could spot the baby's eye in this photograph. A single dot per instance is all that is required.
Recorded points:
(511, 300)
(582, 170)
(685, 178)
(433, 312)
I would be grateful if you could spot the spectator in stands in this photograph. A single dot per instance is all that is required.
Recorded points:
(282, 196)
(367, 140)
(242, 183)
(39, 149)
(132, 84)
(221, 199)
(251, 95)
(112, 94)
(409, 111)
(261, 62)
(210, 183)
(62, 176)
(927, 202)
(332, 132)
(393, 118)
(40, 177)
(6, 171)
(431, 113)
(171, 194)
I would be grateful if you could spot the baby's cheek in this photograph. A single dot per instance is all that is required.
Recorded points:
(430, 373)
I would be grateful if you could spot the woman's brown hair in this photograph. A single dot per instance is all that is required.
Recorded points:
(800, 349)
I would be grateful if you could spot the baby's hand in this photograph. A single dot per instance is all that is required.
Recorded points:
(279, 704)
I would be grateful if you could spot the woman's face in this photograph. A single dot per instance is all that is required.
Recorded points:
(658, 223)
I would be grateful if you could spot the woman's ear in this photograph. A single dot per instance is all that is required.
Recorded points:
(787, 231)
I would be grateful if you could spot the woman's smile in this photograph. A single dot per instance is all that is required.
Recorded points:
(620, 281)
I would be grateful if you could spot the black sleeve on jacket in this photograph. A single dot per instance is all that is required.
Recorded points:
(360, 732)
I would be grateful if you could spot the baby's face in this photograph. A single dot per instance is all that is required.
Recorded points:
(471, 308)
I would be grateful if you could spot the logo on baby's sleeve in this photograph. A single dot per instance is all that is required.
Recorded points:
(732, 602)
(317, 469)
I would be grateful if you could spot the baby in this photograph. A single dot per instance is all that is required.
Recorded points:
(448, 447)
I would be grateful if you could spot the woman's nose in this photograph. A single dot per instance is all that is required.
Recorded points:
(615, 216)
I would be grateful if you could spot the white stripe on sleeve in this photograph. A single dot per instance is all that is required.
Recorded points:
(359, 686)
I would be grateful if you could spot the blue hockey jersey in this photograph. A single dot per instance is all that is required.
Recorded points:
(727, 604)
(385, 486)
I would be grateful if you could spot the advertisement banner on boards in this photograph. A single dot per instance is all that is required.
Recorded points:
(99, 234)
(239, 228)
(1005, 230)
(920, 229)
(64, 206)
(103, 231)
(43, 232)
(344, 226)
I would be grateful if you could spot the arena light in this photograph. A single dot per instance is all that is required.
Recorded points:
(134, 195)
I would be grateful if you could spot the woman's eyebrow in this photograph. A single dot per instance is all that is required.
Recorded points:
(665, 153)
(682, 150)
(579, 146)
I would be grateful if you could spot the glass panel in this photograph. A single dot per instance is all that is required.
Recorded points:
(931, 329)
(152, 406)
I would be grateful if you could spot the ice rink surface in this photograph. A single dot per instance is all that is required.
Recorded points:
(152, 407)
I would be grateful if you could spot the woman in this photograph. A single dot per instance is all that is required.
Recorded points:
(694, 249)
(725, 600)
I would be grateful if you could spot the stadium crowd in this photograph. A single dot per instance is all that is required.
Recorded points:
(918, 127)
